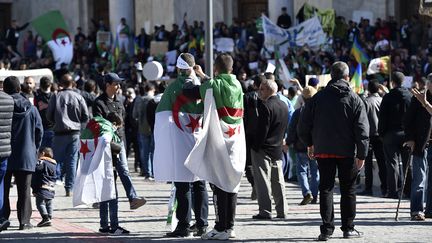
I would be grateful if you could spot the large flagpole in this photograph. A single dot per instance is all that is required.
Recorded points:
(209, 39)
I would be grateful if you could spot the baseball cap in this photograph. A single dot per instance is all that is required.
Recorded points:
(112, 77)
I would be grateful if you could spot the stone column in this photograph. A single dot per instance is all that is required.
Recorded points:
(228, 11)
(121, 9)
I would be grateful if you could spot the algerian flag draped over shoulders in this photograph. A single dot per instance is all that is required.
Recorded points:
(178, 120)
(52, 27)
(94, 180)
(219, 155)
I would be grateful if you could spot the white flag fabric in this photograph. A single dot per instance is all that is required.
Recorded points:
(219, 155)
(94, 181)
(62, 49)
(309, 32)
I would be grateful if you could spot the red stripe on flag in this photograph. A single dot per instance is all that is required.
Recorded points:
(227, 111)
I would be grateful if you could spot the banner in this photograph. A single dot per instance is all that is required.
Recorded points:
(309, 33)
(36, 74)
(224, 44)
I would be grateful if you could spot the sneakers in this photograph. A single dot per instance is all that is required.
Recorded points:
(119, 231)
(315, 200)
(25, 226)
(137, 202)
(261, 217)
(324, 237)
(104, 230)
(307, 199)
(231, 233)
(68, 193)
(45, 222)
(4, 224)
(215, 235)
(418, 217)
(149, 178)
(352, 234)
(179, 233)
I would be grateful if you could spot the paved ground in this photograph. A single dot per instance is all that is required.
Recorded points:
(375, 217)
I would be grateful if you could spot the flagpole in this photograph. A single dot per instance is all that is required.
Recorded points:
(209, 39)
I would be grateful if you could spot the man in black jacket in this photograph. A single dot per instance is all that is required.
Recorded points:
(12, 36)
(418, 129)
(6, 112)
(335, 128)
(41, 101)
(391, 129)
(103, 105)
(26, 138)
(267, 151)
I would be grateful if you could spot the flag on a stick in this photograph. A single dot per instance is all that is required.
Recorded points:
(379, 65)
(356, 80)
(359, 53)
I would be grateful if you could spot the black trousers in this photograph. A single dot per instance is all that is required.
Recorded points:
(191, 195)
(248, 167)
(393, 147)
(225, 208)
(375, 148)
(347, 173)
(23, 183)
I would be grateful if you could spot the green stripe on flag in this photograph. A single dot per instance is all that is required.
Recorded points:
(50, 25)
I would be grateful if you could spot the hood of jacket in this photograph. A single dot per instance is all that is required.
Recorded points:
(21, 105)
(339, 87)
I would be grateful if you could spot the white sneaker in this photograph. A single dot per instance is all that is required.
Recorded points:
(215, 235)
(231, 233)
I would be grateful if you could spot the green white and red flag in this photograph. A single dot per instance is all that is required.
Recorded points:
(94, 181)
(52, 27)
(219, 155)
(178, 120)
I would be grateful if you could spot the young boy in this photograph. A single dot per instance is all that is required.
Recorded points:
(111, 207)
(43, 183)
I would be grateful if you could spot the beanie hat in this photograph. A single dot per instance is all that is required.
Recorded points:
(313, 82)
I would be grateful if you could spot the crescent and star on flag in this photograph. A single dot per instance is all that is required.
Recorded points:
(60, 31)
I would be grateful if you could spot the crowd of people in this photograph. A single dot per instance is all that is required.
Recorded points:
(355, 129)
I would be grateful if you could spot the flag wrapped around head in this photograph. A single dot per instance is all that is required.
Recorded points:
(379, 65)
(356, 80)
(359, 53)
(52, 27)
(94, 180)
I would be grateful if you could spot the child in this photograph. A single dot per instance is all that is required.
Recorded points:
(43, 183)
(111, 207)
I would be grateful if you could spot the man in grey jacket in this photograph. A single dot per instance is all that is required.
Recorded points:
(67, 110)
(373, 102)
(6, 112)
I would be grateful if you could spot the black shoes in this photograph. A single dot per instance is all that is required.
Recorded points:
(352, 234)
(179, 233)
(198, 231)
(261, 217)
(4, 224)
(324, 237)
(46, 221)
(25, 226)
(306, 199)
(105, 230)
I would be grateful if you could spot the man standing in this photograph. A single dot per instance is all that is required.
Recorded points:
(177, 123)
(418, 128)
(123, 33)
(26, 138)
(12, 36)
(67, 110)
(391, 129)
(104, 104)
(335, 128)
(267, 151)
(6, 112)
(284, 20)
(41, 101)
(373, 102)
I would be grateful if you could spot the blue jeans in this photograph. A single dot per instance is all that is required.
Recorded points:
(123, 172)
(146, 147)
(3, 167)
(304, 166)
(112, 206)
(44, 206)
(428, 209)
(47, 139)
(418, 183)
(66, 151)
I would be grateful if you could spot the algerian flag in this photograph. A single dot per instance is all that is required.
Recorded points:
(379, 65)
(94, 181)
(52, 27)
(178, 120)
(219, 155)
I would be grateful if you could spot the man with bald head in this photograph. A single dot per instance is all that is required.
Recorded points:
(67, 110)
